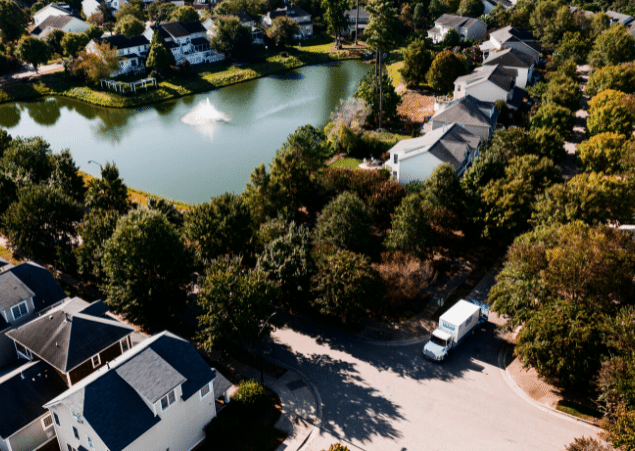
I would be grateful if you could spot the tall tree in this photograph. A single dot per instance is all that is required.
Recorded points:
(605, 152)
(471, 8)
(100, 63)
(159, 56)
(387, 103)
(611, 111)
(27, 161)
(411, 231)
(95, 229)
(231, 37)
(73, 42)
(619, 78)
(129, 26)
(616, 45)
(13, 21)
(184, 14)
(282, 30)
(54, 40)
(335, 18)
(417, 62)
(445, 68)
(33, 50)
(65, 175)
(160, 11)
(108, 192)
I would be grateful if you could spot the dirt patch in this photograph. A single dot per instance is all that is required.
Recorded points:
(415, 107)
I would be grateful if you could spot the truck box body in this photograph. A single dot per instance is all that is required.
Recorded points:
(460, 319)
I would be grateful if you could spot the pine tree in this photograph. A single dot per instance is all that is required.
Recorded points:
(159, 57)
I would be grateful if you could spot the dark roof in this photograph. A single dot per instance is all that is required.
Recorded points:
(507, 33)
(180, 29)
(352, 13)
(23, 392)
(57, 22)
(109, 399)
(518, 98)
(41, 282)
(244, 17)
(120, 42)
(289, 11)
(509, 57)
(12, 290)
(466, 110)
(200, 41)
(66, 336)
(502, 77)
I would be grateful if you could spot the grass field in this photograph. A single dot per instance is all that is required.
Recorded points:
(348, 162)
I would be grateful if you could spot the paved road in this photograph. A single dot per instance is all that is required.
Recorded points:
(390, 398)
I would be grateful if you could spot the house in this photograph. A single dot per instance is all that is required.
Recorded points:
(364, 17)
(133, 52)
(245, 19)
(619, 18)
(158, 395)
(68, 24)
(300, 16)
(417, 158)
(475, 116)
(491, 84)
(467, 27)
(509, 58)
(186, 41)
(204, 5)
(51, 10)
(90, 7)
(516, 38)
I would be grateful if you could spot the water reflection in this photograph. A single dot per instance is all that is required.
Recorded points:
(45, 113)
(288, 76)
(10, 115)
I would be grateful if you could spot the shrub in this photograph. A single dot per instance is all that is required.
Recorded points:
(250, 393)
(587, 444)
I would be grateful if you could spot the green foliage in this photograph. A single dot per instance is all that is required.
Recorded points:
(391, 100)
(611, 111)
(550, 20)
(159, 57)
(309, 144)
(72, 43)
(146, 267)
(554, 117)
(471, 8)
(382, 24)
(13, 21)
(614, 46)
(27, 161)
(100, 63)
(250, 393)
(620, 430)
(345, 283)
(271, 229)
(92, 32)
(605, 152)
(65, 175)
(333, 14)
(417, 61)
(262, 196)
(446, 68)
(337, 447)
(411, 231)
(9, 194)
(54, 40)
(619, 78)
(41, 219)
(451, 39)
(573, 46)
(562, 91)
(235, 302)
(160, 12)
(108, 192)
(548, 143)
(129, 26)
(346, 223)
(282, 30)
(231, 37)
(32, 50)
(133, 9)
(443, 194)
(587, 444)
(95, 229)
(184, 14)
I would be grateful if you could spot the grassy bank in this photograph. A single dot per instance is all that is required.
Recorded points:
(206, 78)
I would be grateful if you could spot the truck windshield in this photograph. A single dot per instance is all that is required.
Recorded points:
(438, 341)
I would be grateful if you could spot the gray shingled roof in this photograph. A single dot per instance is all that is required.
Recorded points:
(41, 282)
(352, 13)
(114, 409)
(181, 29)
(502, 77)
(619, 17)
(509, 57)
(464, 111)
(12, 290)
(502, 35)
(451, 20)
(66, 336)
(121, 42)
(56, 22)
(23, 392)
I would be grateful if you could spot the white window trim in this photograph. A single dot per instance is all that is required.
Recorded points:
(56, 419)
(127, 340)
(92, 359)
(28, 354)
(89, 440)
(44, 426)
(209, 390)
(26, 304)
(167, 397)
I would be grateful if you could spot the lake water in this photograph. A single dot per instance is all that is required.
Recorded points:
(195, 147)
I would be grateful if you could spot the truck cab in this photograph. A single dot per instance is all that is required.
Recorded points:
(438, 346)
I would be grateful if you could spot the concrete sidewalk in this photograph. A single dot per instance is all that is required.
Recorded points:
(301, 404)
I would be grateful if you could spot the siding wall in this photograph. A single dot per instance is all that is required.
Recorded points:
(417, 168)
(486, 92)
(31, 436)
(7, 350)
(86, 368)
(65, 434)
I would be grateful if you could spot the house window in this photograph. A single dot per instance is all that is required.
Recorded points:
(96, 361)
(70, 448)
(205, 391)
(47, 422)
(124, 345)
(394, 158)
(90, 442)
(19, 310)
(168, 400)
(76, 432)
(22, 351)
(57, 419)
(458, 88)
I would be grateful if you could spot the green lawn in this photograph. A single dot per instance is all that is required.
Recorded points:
(579, 411)
(348, 162)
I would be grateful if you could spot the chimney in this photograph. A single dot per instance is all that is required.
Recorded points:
(67, 318)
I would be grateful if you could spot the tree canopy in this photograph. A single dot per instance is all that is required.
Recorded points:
(184, 14)
(159, 56)
(411, 231)
(616, 45)
(606, 152)
(108, 192)
(611, 111)
(33, 50)
(231, 37)
(100, 63)
(445, 68)
(129, 26)
(417, 62)
(282, 30)
(13, 21)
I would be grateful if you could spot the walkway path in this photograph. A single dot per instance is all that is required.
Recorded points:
(569, 166)
(27, 71)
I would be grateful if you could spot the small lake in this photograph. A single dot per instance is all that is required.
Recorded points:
(195, 147)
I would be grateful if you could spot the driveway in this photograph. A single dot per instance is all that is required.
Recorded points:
(390, 398)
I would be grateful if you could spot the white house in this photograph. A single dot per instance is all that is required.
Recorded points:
(158, 395)
(133, 52)
(510, 58)
(300, 16)
(68, 24)
(416, 158)
(50, 10)
(90, 7)
(619, 18)
(467, 27)
(516, 38)
(487, 83)
(186, 40)
(477, 117)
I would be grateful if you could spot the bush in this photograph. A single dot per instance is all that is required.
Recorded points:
(250, 393)
(587, 444)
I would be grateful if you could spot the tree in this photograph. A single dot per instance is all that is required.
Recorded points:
(619, 78)
(13, 21)
(262, 196)
(129, 26)
(611, 111)
(104, 9)
(218, 227)
(133, 9)
(235, 302)
(549, 21)
(94, 32)
(73, 42)
(168, 209)
(605, 152)
(471, 8)
(5, 140)
(345, 283)
(446, 68)
(573, 46)
(621, 428)
(9, 192)
(389, 101)
(548, 143)
(287, 259)
(337, 447)
(345, 223)
(33, 50)
(145, 267)
(65, 176)
(108, 192)
(411, 231)
(307, 143)
(27, 161)
(554, 117)
(417, 60)
(42, 219)
(344, 130)
(95, 229)
(100, 63)
(96, 19)
(54, 40)
(443, 191)
(616, 45)
(231, 37)
(159, 56)
(282, 30)
(160, 11)
(184, 14)
(335, 18)
(562, 91)
(587, 444)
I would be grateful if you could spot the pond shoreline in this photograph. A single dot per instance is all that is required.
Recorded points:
(58, 85)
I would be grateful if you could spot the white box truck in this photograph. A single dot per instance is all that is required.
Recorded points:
(454, 327)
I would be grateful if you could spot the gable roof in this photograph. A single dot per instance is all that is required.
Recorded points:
(244, 17)
(466, 110)
(121, 42)
(57, 9)
(23, 392)
(352, 13)
(509, 57)
(508, 33)
(12, 290)
(55, 22)
(67, 336)
(502, 77)
(453, 21)
(289, 11)
(619, 17)
(98, 396)
(180, 29)
(41, 282)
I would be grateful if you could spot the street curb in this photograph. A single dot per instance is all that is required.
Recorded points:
(525, 397)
